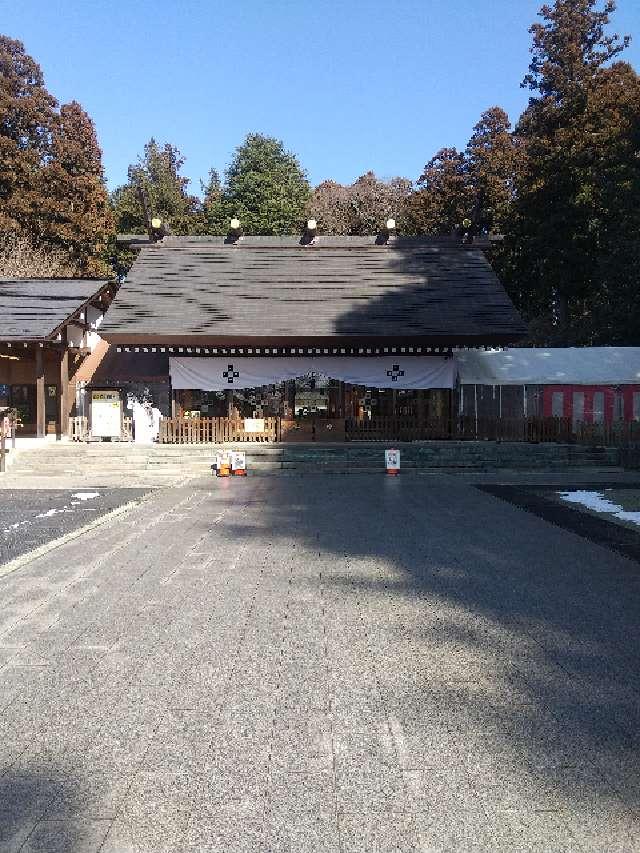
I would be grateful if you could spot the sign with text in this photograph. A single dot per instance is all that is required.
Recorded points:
(106, 414)
(254, 424)
(392, 460)
(238, 462)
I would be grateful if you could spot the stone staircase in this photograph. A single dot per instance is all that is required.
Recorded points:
(70, 465)
(433, 455)
(76, 465)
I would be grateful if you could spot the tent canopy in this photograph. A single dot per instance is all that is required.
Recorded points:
(561, 366)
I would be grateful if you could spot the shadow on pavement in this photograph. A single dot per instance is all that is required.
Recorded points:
(518, 641)
(25, 798)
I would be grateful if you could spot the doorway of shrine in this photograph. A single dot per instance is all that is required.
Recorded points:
(319, 408)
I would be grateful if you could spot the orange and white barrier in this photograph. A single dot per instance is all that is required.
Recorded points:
(223, 463)
(392, 461)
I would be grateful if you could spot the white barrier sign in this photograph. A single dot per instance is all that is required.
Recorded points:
(238, 460)
(392, 459)
(254, 424)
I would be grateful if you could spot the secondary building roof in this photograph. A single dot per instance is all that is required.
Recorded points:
(211, 291)
(35, 309)
(562, 366)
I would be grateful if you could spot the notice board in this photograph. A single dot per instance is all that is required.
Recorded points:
(106, 414)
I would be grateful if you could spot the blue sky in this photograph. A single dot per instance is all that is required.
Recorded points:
(349, 86)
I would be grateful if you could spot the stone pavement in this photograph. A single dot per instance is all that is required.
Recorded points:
(335, 664)
(31, 518)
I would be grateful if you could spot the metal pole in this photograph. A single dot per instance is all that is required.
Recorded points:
(475, 405)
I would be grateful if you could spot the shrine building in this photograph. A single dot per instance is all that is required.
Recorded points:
(48, 337)
(316, 331)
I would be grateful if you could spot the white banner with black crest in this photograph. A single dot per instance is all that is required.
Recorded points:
(396, 371)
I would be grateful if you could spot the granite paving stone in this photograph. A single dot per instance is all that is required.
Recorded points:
(321, 664)
(30, 518)
(61, 836)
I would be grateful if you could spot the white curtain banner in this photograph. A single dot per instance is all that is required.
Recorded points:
(396, 371)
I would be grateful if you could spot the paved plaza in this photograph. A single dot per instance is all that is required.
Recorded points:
(333, 664)
(30, 518)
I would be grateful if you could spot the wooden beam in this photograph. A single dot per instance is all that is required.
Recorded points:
(41, 426)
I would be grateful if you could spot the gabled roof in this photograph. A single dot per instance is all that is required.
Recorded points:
(35, 309)
(205, 290)
(561, 366)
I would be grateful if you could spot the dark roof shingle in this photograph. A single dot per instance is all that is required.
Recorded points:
(275, 288)
(33, 309)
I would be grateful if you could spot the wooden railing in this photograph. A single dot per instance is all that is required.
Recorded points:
(396, 429)
(614, 434)
(468, 428)
(514, 429)
(213, 431)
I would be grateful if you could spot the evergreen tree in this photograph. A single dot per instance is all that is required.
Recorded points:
(76, 213)
(442, 201)
(156, 180)
(578, 192)
(265, 188)
(491, 162)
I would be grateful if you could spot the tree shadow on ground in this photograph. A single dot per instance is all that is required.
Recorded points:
(511, 642)
(26, 798)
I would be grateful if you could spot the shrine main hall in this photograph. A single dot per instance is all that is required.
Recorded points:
(311, 330)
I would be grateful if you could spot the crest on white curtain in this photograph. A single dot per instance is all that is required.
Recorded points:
(219, 374)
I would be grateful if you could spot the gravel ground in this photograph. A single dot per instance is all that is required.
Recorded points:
(323, 664)
(30, 518)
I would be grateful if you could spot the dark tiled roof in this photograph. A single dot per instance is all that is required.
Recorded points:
(276, 288)
(33, 309)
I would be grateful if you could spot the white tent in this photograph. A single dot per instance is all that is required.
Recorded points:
(557, 366)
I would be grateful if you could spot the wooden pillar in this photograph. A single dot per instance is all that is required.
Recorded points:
(41, 425)
(63, 414)
(229, 393)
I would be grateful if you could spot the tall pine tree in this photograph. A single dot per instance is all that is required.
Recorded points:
(578, 190)
(265, 188)
(156, 180)
(443, 200)
(77, 214)
(492, 160)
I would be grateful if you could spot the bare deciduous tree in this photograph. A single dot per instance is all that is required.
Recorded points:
(22, 257)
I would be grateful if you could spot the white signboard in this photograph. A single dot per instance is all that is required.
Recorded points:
(254, 424)
(238, 460)
(392, 459)
(106, 414)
